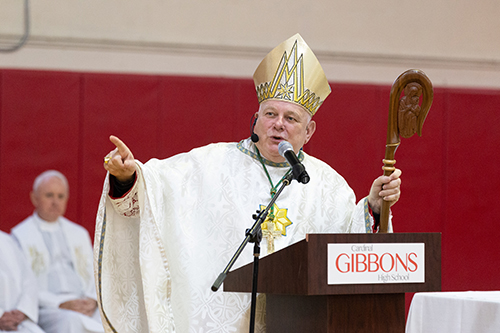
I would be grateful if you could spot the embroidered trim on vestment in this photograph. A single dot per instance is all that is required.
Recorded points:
(99, 270)
(256, 157)
(368, 223)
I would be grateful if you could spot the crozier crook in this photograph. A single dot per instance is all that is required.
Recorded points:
(406, 117)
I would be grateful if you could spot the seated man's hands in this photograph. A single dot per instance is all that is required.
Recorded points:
(85, 306)
(11, 319)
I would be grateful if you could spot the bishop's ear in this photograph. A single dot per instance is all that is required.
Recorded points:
(310, 129)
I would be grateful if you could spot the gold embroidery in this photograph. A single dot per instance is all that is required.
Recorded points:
(81, 264)
(37, 262)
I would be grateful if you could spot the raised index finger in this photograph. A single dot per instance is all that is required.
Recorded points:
(123, 150)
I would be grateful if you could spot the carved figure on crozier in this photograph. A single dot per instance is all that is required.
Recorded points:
(409, 110)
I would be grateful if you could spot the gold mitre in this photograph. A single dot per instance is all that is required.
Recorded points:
(291, 72)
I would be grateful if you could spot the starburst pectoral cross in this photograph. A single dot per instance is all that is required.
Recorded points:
(274, 226)
(270, 233)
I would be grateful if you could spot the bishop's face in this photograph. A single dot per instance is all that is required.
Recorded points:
(278, 121)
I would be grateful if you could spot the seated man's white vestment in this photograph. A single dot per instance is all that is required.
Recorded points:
(18, 290)
(60, 254)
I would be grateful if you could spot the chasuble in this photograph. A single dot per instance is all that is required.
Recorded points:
(160, 247)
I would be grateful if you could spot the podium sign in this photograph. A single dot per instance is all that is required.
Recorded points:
(300, 298)
(355, 263)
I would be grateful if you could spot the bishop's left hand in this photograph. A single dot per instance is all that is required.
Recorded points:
(385, 188)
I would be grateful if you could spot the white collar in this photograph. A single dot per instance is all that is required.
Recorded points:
(45, 225)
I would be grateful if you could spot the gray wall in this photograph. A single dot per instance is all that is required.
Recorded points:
(454, 41)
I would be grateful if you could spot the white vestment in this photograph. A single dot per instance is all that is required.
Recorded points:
(18, 290)
(159, 249)
(67, 243)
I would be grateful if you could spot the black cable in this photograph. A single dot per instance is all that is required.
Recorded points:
(24, 38)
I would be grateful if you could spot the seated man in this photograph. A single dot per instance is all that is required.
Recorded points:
(18, 292)
(60, 253)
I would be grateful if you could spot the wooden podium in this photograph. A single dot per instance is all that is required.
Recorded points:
(299, 299)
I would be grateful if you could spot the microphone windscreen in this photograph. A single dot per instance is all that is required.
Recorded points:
(283, 146)
(254, 137)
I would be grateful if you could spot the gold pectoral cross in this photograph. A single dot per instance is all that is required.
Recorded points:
(275, 225)
(271, 234)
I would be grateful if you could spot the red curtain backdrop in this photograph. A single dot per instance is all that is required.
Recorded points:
(451, 182)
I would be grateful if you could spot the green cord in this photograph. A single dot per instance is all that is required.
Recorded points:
(273, 187)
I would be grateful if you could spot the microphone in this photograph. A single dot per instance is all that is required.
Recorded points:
(254, 137)
(285, 149)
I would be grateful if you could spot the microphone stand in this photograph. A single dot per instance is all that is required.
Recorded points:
(253, 235)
